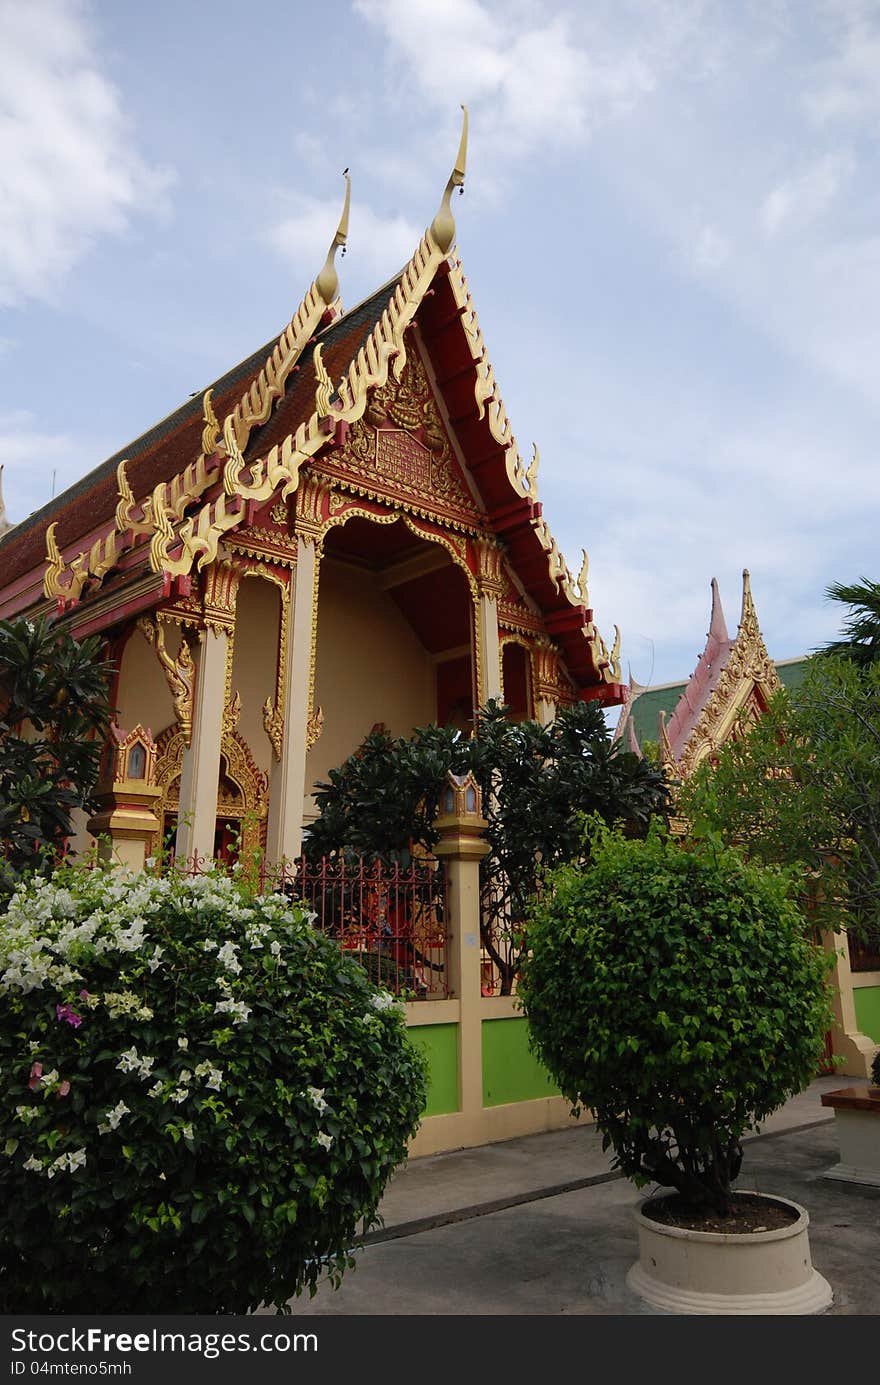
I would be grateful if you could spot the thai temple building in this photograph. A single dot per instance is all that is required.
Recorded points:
(684, 724)
(341, 531)
(732, 684)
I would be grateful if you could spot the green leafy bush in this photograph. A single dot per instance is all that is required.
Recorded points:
(676, 994)
(54, 715)
(201, 1098)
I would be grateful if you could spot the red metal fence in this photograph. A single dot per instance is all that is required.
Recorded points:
(392, 918)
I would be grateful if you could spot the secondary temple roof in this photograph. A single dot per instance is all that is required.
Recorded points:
(733, 678)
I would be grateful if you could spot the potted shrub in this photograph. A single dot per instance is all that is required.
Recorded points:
(676, 994)
(201, 1098)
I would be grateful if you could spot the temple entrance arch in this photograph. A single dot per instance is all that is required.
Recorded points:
(395, 634)
(241, 796)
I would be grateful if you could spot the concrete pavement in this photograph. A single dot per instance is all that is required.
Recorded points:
(543, 1226)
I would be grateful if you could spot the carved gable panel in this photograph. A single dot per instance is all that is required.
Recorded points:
(400, 451)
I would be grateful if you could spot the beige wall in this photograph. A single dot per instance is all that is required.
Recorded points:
(370, 667)
(143, 694)
(257, 629)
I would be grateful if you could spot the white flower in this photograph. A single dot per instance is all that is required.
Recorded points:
(226, 956)
(156, 1089)
(188, 1132)
(383, 1001)
(27, 1113)
(324, 1140)
(156, 959)
(183, 1042)
(209, 945)
(33, 1165)
(179, 1094)
(129, 1060)
(114, 1117)
(236, 1008)
(215, 1077)
(76, 1160)
(150, 862)
(316, 1097)
(275, 949)
(185, 1076)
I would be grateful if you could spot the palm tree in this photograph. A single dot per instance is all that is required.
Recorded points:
(861, 628)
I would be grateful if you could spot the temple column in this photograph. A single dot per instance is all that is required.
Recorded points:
(287, 784)
(488, 651)
(200, 773)
(545, 681)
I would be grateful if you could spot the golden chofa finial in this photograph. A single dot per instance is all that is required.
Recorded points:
(327, 282)
(443, 225)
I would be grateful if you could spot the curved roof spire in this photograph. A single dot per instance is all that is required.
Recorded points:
(327, 282)
(443, 225)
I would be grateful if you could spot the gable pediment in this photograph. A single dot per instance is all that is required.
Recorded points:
(399, 451)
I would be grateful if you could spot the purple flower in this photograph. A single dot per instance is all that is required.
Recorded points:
(67, 1013)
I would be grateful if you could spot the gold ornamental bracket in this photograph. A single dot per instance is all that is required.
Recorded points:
(180, 672)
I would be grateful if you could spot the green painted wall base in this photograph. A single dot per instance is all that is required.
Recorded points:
(439, 1044)
(510, 1071)
(867, 1003)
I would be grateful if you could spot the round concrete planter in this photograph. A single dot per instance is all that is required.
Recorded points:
(712, 1272)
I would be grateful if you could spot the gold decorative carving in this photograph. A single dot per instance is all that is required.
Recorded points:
(279, 514)
(129, 515)
(245, 802)
(232, 712)
(54, 564)
(531, 477)
(423, 470)
(221, 591)
(324, 385)
(310, 520)
(314, 727)
(180, 672)
(211, 429)
(443, 225)
(615, 655)
(583, 579)
(273, 725)
(491, 578)
(383, 350)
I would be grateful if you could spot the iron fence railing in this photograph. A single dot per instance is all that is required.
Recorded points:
(392, 918)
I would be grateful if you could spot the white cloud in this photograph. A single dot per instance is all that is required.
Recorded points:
(711, 250)
(796, 202)
(68, 171)
(535, 81)
(30, 455)
(379, 245)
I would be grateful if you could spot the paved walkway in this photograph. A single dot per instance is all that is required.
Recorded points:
(542, 1225)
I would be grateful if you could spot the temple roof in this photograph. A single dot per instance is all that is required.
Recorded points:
(157, 510)
(732, 676)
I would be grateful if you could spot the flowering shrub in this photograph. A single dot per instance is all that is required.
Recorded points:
(201, 1098)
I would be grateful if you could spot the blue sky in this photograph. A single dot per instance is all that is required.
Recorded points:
(671, 230)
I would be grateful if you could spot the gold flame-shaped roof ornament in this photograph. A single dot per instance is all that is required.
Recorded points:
(327, 282)
(443, 225)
